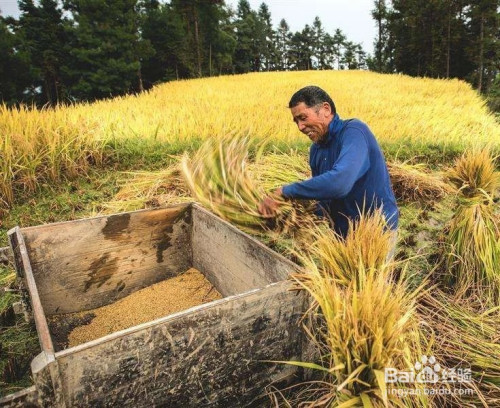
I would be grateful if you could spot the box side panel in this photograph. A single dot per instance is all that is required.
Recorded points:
(89, 263)
(24, 270)
(212, 357)
(26, 398)
(231, 260)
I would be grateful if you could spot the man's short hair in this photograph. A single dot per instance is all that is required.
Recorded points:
(311, 96)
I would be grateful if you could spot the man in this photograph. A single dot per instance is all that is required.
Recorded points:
(349, 173)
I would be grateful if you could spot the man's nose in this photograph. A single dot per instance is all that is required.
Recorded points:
(301, 126)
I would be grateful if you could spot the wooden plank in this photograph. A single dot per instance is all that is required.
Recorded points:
(26, 398)
(231, 260)
(213, 357)
(23, 264)
(47, 381)
(85, 264)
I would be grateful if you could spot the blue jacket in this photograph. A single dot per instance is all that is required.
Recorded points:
(349, 175)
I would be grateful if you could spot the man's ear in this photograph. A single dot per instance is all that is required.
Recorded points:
(328, 108)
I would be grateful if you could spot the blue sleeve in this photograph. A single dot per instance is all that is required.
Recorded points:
(351, 165)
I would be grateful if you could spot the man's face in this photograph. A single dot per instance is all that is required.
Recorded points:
(313, 121)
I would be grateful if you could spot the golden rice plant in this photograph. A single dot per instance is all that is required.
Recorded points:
(466, 339)
(474, 174)
(472, 252)
(38, 144)
(411, 182)
(364, 319)
(143, 189)
(44, 145)
(367, 245)
(219, 179)
(277, 169)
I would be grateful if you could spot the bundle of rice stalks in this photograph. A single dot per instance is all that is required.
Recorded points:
(367, 246)
(466, 339)
(472, 251)
(277, 169)
(411, 183)
(474, 174)
(144, 189)
(364, 320)
(219, 179)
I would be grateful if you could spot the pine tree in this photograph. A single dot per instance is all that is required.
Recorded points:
(106, 52)
(283, 38)
(15, 73)
(319, 46)
(165, 32)
(43, 37)
(382, 57)
(267, 37)
(247, 56)
(339, 40)
(484, 48)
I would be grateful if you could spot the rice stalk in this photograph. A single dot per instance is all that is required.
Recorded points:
(466, 339)
(412, 183)
(472, 242)
(366, 245)
(277, 169)
(219, 179)
(143, 189)
(474, 174)
(363, 318)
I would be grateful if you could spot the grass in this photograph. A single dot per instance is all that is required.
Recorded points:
(68, 200)
(18, 339)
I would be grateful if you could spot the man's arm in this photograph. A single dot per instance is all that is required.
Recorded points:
(351, 165)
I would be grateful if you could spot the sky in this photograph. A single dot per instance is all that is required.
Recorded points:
(353, 17)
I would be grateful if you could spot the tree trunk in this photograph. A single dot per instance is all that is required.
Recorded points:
(139, 77)
(448, 53)
(379, 43)
(481, 53)
(197, 40)
(210, 60)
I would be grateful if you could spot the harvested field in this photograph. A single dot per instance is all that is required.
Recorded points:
(161, 299)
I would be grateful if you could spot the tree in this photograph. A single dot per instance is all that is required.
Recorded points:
(15, 73)
(165, 32)
(484, 48)
(382, 57)
(338, 43)
(283, 38)
(249, 39)
(106, 53)
(43, 36)
(221, 41)
(201, 18)
(319, 46)
(441, 38)
(267, 38)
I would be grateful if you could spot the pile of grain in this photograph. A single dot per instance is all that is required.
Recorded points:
(161, 299)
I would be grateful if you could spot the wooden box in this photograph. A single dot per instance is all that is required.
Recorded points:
(213, 355)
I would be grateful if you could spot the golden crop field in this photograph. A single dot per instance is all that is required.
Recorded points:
(414, 112)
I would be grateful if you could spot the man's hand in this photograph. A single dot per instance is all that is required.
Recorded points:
(268, 207)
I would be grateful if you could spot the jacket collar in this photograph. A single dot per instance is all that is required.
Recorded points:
(334, 128)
